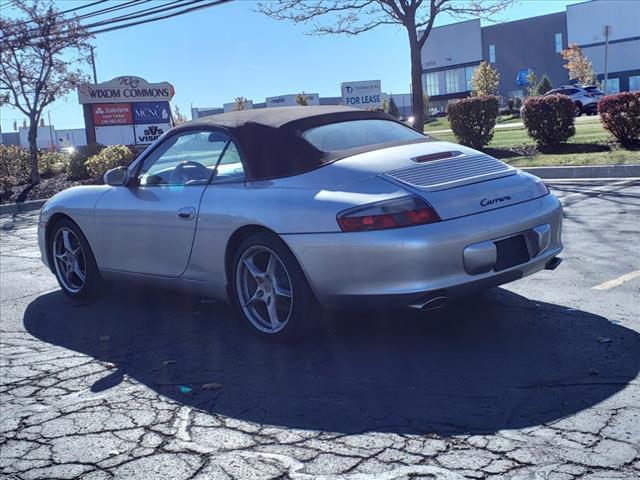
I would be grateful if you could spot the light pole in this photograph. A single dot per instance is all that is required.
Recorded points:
(93, 65)
(53, 146)
(607, 32)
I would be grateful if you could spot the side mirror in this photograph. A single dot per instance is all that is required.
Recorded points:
(117, 177)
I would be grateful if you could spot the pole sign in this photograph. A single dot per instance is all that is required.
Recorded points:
(124, 89)
(364, 94)
(126, 110)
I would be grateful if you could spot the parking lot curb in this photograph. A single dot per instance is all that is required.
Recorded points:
(21, 207)
(590, 171)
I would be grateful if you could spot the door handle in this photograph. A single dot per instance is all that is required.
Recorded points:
(187, 213)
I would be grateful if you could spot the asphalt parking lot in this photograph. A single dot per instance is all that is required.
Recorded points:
(539, 379)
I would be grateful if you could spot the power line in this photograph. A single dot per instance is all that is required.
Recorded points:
(145, 12)
(81, 7)
(142, 14)
(80, 17)
(63, 12)
(162, 17)
(110, 9)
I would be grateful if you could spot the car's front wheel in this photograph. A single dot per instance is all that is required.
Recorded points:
(271, 291)
(73, 262)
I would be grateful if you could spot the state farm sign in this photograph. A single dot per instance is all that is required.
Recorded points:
(125, 89)
(112, 114)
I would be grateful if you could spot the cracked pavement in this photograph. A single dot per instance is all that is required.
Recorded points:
(538, 379)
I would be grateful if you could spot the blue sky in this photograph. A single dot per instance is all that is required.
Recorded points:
(215, 55)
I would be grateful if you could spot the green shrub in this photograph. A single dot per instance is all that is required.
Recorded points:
(111, 157)
(549, 120)
(472, 119)
(52, 163)
(76, 168)
(14, 166)
(620, 114)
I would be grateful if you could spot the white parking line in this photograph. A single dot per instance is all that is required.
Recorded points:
(617, 281)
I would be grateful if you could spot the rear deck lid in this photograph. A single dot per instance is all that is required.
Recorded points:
(453, 171)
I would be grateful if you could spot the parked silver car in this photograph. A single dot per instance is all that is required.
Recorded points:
(280, 211)
(586, 97)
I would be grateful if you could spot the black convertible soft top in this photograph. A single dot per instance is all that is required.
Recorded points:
(270, 138)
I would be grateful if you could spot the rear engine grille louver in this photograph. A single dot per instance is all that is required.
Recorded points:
(452, 172)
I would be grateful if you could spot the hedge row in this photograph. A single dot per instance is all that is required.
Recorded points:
(549, 120)
(89, 162)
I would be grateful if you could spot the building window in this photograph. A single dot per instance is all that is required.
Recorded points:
(492, 54)
(634, 83)
(431, 82)
(451, 81)
(558, 42)
(468, 73)
(612, 86)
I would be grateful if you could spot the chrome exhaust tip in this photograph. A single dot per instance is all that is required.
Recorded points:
(432, 303)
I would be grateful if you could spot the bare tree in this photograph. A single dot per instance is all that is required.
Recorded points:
(302, 99)
(240, 104)
(37, 51)
(178, 117)
(353, 17)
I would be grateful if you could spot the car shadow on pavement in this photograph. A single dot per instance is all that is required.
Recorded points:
(482, 364)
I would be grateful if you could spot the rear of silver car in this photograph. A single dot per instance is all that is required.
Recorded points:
(496, 224)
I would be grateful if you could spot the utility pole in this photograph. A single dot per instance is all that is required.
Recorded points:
(93, 65)
(607, 33)
(50, 132)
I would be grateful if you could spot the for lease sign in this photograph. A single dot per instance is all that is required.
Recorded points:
(364, 94)
(112, 114)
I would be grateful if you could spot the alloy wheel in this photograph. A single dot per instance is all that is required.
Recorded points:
(264, 289)
(69, 260)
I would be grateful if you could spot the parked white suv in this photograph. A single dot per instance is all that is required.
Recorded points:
(585, 97)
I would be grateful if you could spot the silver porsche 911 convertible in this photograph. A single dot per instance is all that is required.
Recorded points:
(283, 211)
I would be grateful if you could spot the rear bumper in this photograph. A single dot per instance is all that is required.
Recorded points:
(402, 267)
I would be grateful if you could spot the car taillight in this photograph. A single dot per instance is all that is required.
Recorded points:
(399, 212)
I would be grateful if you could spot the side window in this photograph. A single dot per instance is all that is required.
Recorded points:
(186, 159)
(230, 167)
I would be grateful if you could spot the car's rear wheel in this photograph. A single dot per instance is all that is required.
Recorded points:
(73, 262)
(271, 291)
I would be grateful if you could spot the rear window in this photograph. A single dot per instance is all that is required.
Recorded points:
(358, 133)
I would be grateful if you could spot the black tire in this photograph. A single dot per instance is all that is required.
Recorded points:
(304, 307)
(93, 283)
